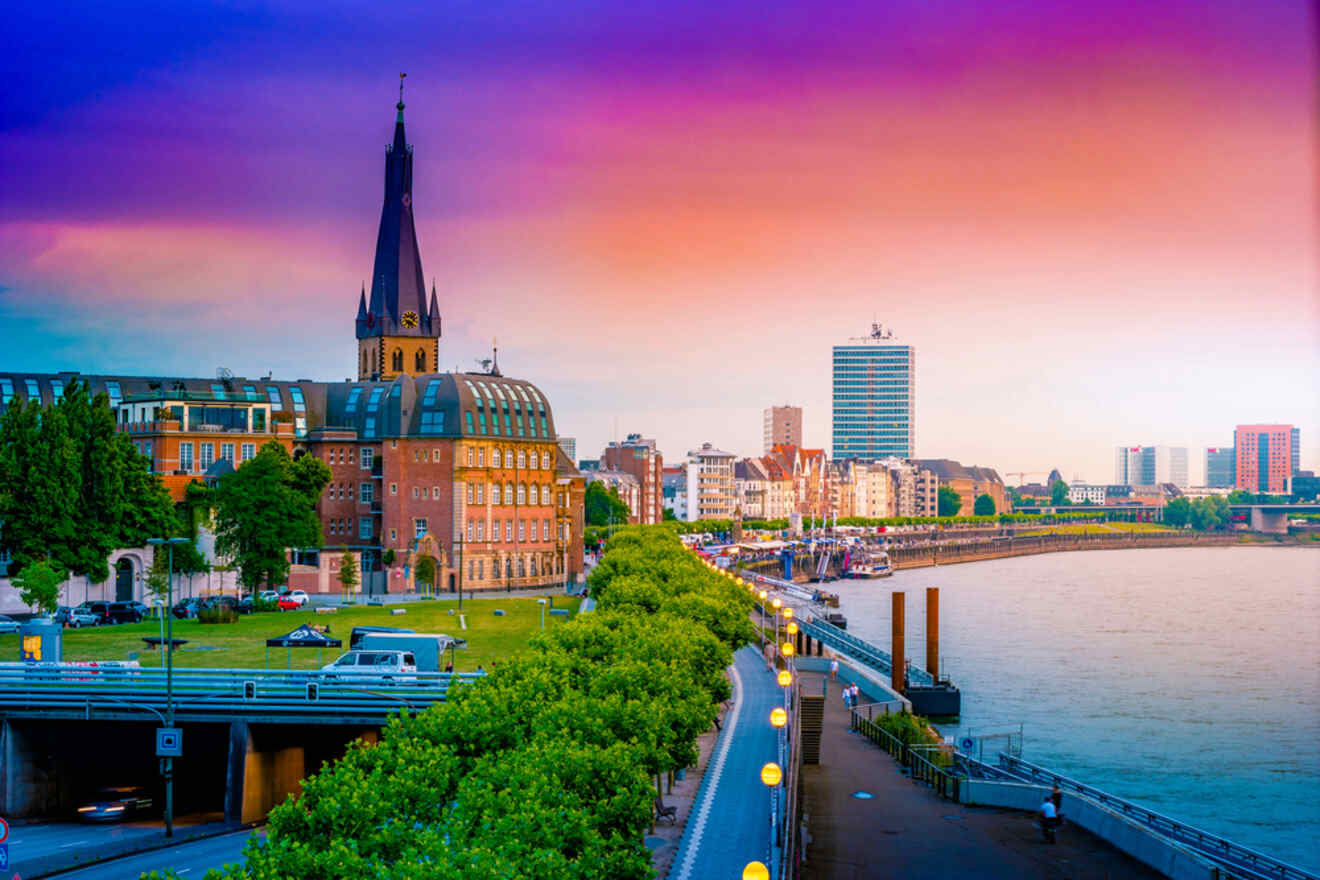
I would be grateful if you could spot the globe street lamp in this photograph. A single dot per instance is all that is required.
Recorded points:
(167, 768)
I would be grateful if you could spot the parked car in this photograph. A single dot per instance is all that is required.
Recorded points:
(269, 595)
(288, 603)
(125, 612)
(74, 617)
(116, 804)
(100, 609)
(217, 601)
(299, 596)
(388, 666)
(187, 608)
(8, 624)
(143, 608)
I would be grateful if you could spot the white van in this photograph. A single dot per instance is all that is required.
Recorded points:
(387, 666)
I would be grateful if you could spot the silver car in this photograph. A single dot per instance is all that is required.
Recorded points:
(385, 666)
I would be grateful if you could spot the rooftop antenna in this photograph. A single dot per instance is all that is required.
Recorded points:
(402, 77)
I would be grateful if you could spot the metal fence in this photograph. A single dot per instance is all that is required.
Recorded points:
(133, 693)
(1239, 860)
(929, 764)
(860, 650)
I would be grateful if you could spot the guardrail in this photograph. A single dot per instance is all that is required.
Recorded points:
(912, 758)
(130, 693)
(865, 652)
(1236, 858)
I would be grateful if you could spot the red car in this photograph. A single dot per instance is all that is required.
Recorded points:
(288, 603)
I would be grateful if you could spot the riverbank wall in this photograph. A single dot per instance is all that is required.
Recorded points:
(1003, 547)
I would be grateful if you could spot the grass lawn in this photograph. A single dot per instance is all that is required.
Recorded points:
(242, 645)
(1096, 529)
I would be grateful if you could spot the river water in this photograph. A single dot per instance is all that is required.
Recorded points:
(1185, 679)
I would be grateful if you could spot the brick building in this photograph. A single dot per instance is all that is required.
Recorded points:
(463, 468)
(639, 457)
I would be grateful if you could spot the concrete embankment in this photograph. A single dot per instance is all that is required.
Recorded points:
(1000, 548)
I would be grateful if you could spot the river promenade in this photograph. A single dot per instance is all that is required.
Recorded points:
(906, 830)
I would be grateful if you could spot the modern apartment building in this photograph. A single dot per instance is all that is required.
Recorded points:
(1264, 457)
(874, 397)
(1150, 465)
(1220, 468)
(639, 457)
(781, 425)
(710, 491)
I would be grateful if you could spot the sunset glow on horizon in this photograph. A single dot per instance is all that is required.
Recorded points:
(1097, 226)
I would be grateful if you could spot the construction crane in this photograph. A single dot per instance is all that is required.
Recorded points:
(1023, 474)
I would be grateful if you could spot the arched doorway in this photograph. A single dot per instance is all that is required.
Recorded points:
(124, 580)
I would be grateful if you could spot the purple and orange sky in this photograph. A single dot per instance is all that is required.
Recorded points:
(1097, 222)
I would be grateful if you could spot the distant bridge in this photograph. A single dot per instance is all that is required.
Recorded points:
(1269, 518)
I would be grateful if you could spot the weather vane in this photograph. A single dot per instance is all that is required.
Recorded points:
(401, 78)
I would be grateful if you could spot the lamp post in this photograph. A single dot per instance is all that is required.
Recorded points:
(167, 768)
(761, 595)
(776, 603)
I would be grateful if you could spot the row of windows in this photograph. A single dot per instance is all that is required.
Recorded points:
(206, 454)
(366, 492)
(527, 528)
(515, 566)
(476, 457)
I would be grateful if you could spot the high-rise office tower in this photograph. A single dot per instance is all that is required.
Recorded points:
(1264, 457)
(1219, 469)
(1296, 450)
(1150, 465)
(781, 425)
(874, 397)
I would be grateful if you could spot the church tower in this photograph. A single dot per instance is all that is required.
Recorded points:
(398, 331)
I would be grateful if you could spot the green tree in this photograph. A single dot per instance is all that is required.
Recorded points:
(1210, 513)
(667, 515)
(1241, 496)
(265, 507)
(38, 585)
(984, 505)
(387, 558)
(424, 573)
(158, 576)
(348, 572)
(604, 506)
(1059, 494)
(1178, 512)
(948, 501)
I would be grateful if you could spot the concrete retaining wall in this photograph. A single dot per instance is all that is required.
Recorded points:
(1136, 840)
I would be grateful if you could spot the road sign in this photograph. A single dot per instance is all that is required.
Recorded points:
(4, 855)
(4, 830)
(169, 742)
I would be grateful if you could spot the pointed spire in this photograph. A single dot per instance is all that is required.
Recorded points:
(362, 304)
(398, 287)
(495, 357)
(435, 309)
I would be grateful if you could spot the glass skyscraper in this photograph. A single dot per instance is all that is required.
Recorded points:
(874, 397)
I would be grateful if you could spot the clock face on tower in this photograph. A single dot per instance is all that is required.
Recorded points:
(409, 319)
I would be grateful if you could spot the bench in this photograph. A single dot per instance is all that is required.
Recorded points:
(663, 812)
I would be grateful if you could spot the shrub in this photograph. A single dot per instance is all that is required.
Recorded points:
(217, 614)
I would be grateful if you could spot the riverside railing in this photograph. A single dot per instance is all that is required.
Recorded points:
(126, 692)
(863, 651)
(1236, 858)
(915, 760)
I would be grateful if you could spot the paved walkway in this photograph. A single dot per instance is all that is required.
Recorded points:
(729, 825)
(906, 830)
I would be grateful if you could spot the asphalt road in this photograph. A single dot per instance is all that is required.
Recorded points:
(47, 845)
(188, 859)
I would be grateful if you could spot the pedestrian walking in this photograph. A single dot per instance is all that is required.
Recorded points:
(854, 693)
(834, 668)
(847, 697)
